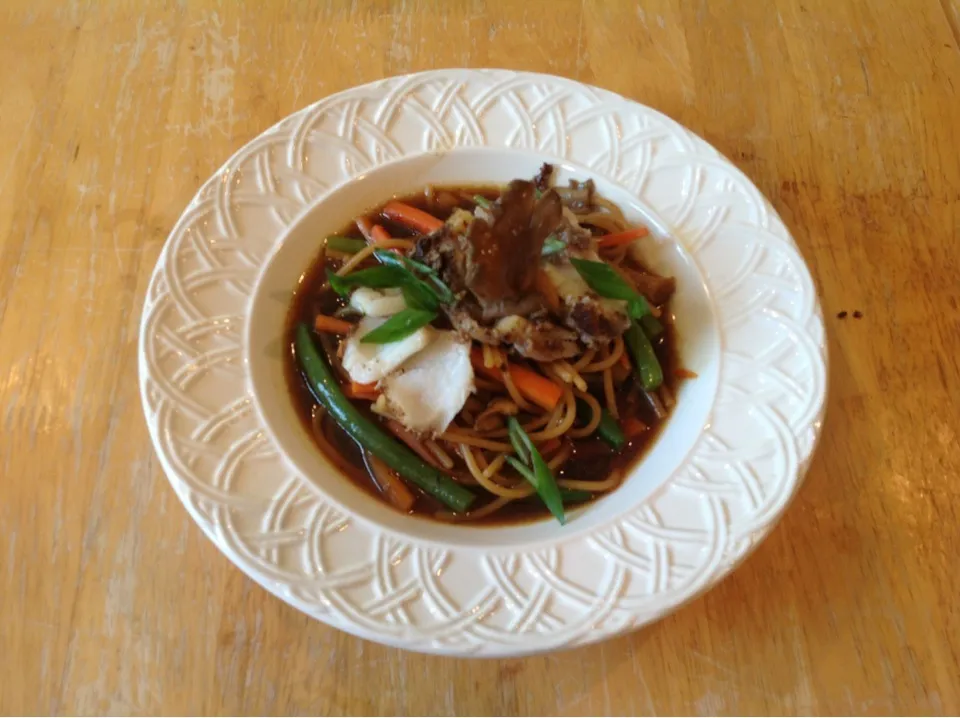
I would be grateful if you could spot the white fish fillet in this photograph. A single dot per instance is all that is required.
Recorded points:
(377, 303)
(367, 363)
(430, 389)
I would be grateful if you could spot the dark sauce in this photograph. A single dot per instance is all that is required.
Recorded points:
(591, 457)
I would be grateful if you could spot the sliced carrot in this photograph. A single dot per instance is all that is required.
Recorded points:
(535, 387)
(685, 374)
(355, 390)
(412, 217)
(624, 360)
(621, 238)
(366, 228)
(390, 485)
(549, 293)
(633, 427)
(331, 325)
(379, 234)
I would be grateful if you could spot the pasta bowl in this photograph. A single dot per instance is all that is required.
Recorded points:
(720, 474)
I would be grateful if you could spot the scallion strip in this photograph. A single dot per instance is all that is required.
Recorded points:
(347, 245)
(604, 280)
(541, 477)
(375, 277)
(399, 326)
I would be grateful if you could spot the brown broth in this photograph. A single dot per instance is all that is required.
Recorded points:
(592, 458)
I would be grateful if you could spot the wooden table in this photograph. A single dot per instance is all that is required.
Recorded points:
(846, 114)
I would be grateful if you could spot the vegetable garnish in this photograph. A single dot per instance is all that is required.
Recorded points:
(376, 277)
(432, 283)
(331, 325)
(605, 281)
(399, 326)
(652, 326)
(536, 470)
(347, 245)
(415, 219)
(532, 385)
(621, 238)
(481, 201)
(327, 391)
(552, 245)
(609, 430)
(379, 234)
(645, 359)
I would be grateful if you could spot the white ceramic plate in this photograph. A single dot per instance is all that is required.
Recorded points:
(720, 475)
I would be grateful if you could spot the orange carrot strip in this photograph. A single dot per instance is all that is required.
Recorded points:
(379, 234)
(366, 228)
(331, 325)
(355, 390)
(390, 485)
(412, 217)
(549, 293)
(535, 387)
(413, 441)
(621, 238)
(624, 361)
(633, 427)
(685, 374)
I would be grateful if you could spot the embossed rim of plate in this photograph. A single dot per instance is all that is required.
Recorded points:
(745, 466)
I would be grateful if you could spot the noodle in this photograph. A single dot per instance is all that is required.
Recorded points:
(462, 438)
(489, 484)
(595, 417)
(611, 482)
(612, 358)
(609, 394)
(560, 457)
(561, 425)
(541, 420)
(585, 359)
(442, 456)
(569, 374)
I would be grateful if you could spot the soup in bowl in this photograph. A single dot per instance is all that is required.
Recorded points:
(457, 342)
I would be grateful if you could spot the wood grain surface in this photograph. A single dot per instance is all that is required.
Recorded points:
(846, 114)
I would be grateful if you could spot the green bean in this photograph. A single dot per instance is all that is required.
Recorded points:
(327, 391)
(609, 430)
(645, 359)
(652, 326)
(347, 245)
